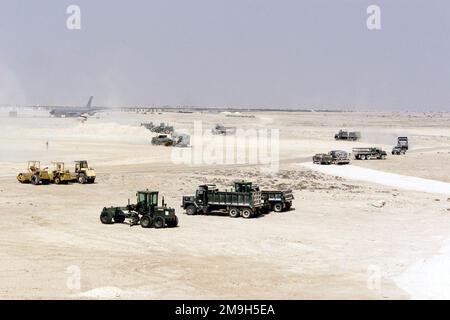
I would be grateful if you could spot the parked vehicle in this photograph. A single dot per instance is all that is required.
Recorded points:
(332, 157)
(346, 135)
(401, 147)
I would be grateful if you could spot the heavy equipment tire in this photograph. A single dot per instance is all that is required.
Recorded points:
(278, 207)
(159, 222)
(246, 213)
(35, 179)
(106, 217)
(146, 221)
(191, 210)
(118, 218)
(81, 178)
(234, 212)
(173, 223)
(90, 181)
(383, 157)
(20, 178)
(57, 180)
(288, 207)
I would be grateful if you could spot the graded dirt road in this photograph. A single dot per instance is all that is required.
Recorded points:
(343, 239)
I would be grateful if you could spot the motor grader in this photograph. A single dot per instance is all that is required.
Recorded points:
(145, 212)
(35, 175)
(59, 175)
(83, 173)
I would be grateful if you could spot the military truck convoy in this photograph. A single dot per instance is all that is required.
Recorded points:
(58, 175)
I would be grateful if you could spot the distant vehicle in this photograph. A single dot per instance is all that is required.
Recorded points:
(163, 140)
(162, 128)
(209, 199)
(346, 135)
(222, 130)
(401, 147)
(332, 157)
(402, 142)
(75, 112)
(398, 150)
(369, 153)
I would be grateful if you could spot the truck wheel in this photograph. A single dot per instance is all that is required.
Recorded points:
(118, 218)
(82, 179)
(383, 157)
(106, 217)
(57, 180)
(92, 180)
(278, 207)
(35, 180)
(160, 222)
(191, 210)
(173, 223)
(362, 157)
(146, 221)
(288, 206)
(246, 213)
(234, 212)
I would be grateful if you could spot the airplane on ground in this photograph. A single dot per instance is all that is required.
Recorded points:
(75, 112)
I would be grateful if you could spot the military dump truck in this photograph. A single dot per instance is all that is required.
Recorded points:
(83, 173)
(35, 175)
(369, 153)
(273, 200)
(209, 199)
(176, 140)
(59, 175)
(222, 130)
(401, 147)
(145, 212)
(332, 157)
(163, 140)
(347, 135)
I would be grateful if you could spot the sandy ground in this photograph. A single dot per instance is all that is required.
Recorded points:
(345, 238)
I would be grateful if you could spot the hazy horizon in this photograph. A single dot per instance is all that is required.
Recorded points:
(247, 53)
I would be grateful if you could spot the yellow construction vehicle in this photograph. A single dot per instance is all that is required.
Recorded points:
(34, 175)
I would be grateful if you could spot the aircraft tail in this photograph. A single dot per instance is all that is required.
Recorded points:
(89, 102)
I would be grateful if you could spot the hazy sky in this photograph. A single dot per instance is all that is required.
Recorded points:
(227, 53)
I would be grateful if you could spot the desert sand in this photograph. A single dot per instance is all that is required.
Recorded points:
(346, 237)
